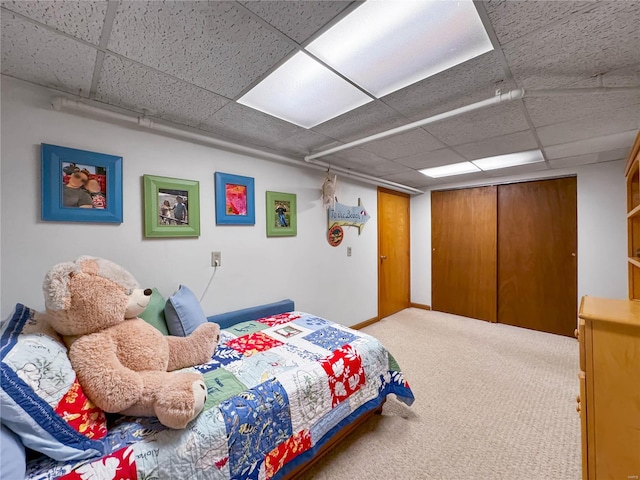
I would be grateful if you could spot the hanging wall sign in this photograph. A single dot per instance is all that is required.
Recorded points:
(347, 216)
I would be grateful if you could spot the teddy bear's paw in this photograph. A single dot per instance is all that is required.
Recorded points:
(205, 339)
(200, 395)
(209, 330)
(182, 401)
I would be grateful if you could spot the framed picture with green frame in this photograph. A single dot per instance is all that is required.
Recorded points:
(282, 220)
(171, 207)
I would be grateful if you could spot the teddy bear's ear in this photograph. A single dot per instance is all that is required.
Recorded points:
(88, 264)
(56, 286)
(107, 269)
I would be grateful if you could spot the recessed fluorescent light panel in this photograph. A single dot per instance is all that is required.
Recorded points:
(386, 45)
(509, 160)
(304, 92)
(448, 170)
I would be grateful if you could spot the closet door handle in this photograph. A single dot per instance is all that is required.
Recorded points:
(383, 257)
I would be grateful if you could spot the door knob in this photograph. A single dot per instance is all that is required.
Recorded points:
(383, 257)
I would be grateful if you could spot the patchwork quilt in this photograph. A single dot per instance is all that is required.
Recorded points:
(278, 389)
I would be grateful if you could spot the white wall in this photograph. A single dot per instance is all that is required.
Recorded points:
(602, 231)
(255, 269)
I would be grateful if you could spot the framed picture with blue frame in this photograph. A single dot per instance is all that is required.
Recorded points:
(235, 199)
(80, 186)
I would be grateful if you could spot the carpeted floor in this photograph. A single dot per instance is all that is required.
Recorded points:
(492, 402)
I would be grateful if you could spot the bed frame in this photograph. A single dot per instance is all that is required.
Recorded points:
(226, 320)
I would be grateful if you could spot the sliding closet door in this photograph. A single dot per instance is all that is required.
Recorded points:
(463, 241)
(537, 265)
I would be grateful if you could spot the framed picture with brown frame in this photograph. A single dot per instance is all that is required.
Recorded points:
(282, 218)
(171, 207)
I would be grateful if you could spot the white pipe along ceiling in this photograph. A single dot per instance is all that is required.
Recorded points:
(310, 161)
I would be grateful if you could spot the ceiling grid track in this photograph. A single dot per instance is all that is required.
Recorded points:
(109, 18)
(497, 48)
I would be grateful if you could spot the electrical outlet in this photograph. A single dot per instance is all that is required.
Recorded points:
(348, 251)
(216, 259)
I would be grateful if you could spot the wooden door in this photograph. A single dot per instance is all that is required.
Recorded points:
(393, 252)
(463, 257)
(537, 238)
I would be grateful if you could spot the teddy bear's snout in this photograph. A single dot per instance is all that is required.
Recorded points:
(147, 292)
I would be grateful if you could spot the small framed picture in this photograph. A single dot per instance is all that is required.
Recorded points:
(281, 215)
(80, 186)
(171, 207)
(235, 200)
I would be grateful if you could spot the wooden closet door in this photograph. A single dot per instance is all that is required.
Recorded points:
(537, 239)
(394, 260)
(463, 257)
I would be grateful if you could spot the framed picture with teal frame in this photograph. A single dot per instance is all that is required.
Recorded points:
(80, 186)
(171, 207)
(235, 199)
(282, 218)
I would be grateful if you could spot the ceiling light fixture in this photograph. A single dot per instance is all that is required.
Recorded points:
(509, 160)
(448, 170)
(386, 45)
(304, 92)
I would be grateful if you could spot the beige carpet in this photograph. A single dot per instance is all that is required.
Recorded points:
(492, 402)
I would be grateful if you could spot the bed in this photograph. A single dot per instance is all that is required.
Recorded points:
(283, 387)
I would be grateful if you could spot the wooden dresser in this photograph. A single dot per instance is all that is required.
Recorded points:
(609, 401)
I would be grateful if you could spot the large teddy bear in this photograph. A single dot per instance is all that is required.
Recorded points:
(124, 364)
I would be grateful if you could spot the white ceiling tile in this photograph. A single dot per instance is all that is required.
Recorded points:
(39, 55)
(214, 45)
(571, 51)
(132, 86)
(622, 77)
(598, 124)
(513, 19)
(560, 108)
(513, 142)
(436, 158)
(249, 125)
(592, 145)
(80, 19)
(403, 145)
(297, 20)
(371, 118)
(587, 158)
(363, 161)
(305, 142)
(492, 121)
(463, 84)
(411, 178)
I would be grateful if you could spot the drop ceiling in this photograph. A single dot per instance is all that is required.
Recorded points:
(187, 64)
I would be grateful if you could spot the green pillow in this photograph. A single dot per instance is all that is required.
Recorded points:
(154, 313)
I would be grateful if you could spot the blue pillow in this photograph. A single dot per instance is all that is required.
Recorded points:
(183, 312)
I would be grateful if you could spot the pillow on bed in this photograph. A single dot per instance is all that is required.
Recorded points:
(154, 313)
(183, 312)
(41, 400)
